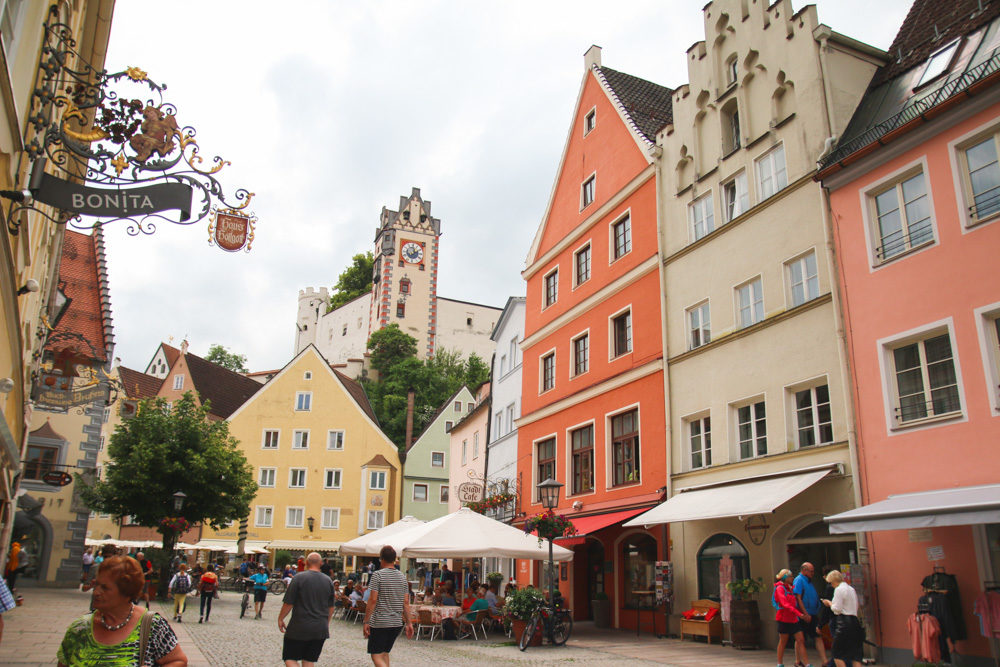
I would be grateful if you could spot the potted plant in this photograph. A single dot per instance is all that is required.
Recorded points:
(600, 607)
(517, 610)
(494, 579)
(744, 614)
(549, 525)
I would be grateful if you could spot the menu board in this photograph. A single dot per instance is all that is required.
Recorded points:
(664, 580)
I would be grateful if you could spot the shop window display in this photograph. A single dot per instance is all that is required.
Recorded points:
(709, 556)
(639, 557)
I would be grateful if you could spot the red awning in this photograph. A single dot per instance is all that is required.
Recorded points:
(591, 524)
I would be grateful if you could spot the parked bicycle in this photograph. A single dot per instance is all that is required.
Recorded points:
(557, 625)
(245, 603)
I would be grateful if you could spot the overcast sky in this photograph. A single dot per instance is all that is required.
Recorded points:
(330, 110)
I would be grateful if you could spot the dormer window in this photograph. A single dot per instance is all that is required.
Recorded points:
(938, 63)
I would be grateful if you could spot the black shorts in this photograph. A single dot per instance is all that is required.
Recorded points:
(260, 596)
(380, 640)
(788, 628)
(810, 628)
(301, 649)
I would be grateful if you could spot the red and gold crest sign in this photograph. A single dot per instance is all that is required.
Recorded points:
(231, 230)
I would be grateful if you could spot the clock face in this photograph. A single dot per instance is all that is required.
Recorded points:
(412, 252)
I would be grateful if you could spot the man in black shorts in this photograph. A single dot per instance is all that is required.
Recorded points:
(310, 597)
(388, 608)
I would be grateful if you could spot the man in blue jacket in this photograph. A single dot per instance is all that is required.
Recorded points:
(808, 599)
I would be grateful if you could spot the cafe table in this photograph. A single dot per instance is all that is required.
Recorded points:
(438, 613)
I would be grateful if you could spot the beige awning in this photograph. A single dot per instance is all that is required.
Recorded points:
(757, 495)
(962, 506)
(307, 545)
(229, 546)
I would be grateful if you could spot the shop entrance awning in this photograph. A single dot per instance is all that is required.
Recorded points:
(307, 545)
(591, 524)
(230, 547)
(926, 509)
(758, 495)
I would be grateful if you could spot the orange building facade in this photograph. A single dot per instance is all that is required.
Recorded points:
(593, 384)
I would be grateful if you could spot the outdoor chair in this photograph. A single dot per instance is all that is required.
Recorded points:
(359, 611)
(465, 625)
(426, 623)
(345, 606)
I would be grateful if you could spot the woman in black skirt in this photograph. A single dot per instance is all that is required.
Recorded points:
(848, 634)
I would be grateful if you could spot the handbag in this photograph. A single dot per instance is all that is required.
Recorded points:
(145, 625)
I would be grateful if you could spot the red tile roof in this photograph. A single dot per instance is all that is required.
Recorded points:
(83, 279)
(171, 353)
(46, 431)
(225, 389)
(357, 392)
(379, 460)
(139, 385)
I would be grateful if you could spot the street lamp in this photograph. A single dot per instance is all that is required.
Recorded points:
(179, 500)
(548, 491)
(312, 522)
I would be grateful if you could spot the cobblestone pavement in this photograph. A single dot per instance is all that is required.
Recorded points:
(32, 634)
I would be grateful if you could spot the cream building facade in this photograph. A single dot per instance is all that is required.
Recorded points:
(756, 389)
(469, 436)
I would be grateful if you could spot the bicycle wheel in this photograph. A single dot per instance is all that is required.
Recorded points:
(529, 632)
(244, 604)
(277, 587)
(562, 627)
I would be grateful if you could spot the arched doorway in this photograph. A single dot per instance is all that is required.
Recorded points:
(709, 557)
(814, 544)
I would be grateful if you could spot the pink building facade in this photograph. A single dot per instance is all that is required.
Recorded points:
(914, 199)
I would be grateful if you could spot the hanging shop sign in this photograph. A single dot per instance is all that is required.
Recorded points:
(470, 492)
(107, 147)
(57, 398)
(231, 230)
(57, 478)
(756, 527)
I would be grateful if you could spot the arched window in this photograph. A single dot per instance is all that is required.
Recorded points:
(639, 558)
(709, 557)
(732, 70)
(730, 117)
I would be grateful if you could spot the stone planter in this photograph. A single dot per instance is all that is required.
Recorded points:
(601, 611)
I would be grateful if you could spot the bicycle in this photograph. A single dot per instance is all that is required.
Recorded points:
(558, 625)
(245, 604)
(277, 586)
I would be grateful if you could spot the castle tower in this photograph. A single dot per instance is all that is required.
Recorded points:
(312, 307)
(404, 283)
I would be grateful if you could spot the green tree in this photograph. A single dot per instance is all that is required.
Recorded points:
(163, 450)
(218, 354)
(390, 345)
(354, 281)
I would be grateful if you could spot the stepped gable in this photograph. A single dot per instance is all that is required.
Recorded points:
(931, 25)
(139, 385)
(357, 392)
(648, 105)
(83, 280)
(226, 390)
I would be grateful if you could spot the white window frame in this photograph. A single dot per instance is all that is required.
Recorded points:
(272, 473)
(427, 492)
(701, 212)
(291, 477)
(379, 515)
(498, 424)
(288, 517)
(613, 352)
(541, 371)
(330, 512)
(590, 121)
(448, 425)
(698, 318)
(380, 475)
(552, 275)
(626, 219)
(756, 296)
(333, 443)
(264, 438)
(299, 436)
(960, 173)
(810, 284)
(987, 318)
(465, 452)
(475, 445)
(573, 373)
(739, 204)
(338, 478)
(705, 450)
(458, 406)
(179, 381)
(732, 70)
(303, 399)
(588, 190)
(268, 514)
(942, 58)
(754, 425)
(443, 460)
(776, 175)
(443, 493)
(887, 345)
(810, 385)
(585, 248)
(510, 418)
(609, 447)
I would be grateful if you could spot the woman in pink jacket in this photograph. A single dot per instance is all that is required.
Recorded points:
(788, 616)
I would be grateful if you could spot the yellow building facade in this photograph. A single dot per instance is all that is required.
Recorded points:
(325, 471)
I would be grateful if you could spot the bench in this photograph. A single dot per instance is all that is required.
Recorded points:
(700, 627)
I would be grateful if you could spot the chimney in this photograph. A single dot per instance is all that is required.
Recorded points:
(592, 56)
(184, 346)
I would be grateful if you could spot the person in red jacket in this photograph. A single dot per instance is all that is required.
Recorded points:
(787, 616)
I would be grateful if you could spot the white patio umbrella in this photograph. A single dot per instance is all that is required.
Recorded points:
(370, 544)
(468, 534)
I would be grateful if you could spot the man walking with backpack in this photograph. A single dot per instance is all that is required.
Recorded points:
(180, 585)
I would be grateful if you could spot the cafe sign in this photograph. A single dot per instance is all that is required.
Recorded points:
(58, 398)
(470, 492)
(231, 230)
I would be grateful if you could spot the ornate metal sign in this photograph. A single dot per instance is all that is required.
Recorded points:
(106, 146)
(756, 527)
(231, 230)
(57, 478)
(58, 398)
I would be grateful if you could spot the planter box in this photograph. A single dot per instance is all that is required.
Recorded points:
(744, 624)
(601, 610)
(518, 630)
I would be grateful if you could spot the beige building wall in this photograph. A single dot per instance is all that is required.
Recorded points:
(765, 81)
(467, 455)
(466, 327)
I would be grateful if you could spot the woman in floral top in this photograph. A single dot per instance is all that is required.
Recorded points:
(109, 636)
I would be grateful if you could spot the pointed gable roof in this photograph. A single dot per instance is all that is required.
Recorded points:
(139, 385)
(647, 105)
(225, 389)
(379, 460)
(83, 279)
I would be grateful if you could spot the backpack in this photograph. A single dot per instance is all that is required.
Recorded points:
(183, 584)
(774, 598)
(208, 585)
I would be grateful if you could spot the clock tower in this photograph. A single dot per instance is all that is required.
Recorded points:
(404, 280)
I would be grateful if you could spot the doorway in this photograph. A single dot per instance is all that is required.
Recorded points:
(814, 544)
